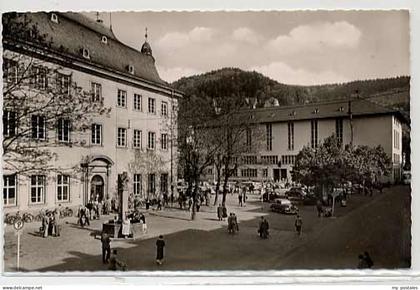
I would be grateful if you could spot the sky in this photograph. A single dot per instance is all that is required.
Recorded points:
(291, 47)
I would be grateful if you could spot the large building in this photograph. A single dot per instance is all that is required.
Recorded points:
(134, 136)
(286, 130)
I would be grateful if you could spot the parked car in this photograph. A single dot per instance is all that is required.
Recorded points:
(295, 194)
(284, 206)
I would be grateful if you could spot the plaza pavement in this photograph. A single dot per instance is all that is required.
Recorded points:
(203, 244)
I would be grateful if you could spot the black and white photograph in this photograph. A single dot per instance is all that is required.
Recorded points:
(206, 141)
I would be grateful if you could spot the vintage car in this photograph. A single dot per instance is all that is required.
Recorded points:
(284, 206)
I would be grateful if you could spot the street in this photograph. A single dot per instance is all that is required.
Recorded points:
(379, 224)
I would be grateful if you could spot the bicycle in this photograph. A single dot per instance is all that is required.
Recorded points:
(27, 217)
(12, 218)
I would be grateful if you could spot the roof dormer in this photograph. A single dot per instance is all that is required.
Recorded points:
(130, 69)
(54, 18)
(85, 53)
(104, 39)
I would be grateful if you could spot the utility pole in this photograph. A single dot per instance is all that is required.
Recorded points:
(350, 113)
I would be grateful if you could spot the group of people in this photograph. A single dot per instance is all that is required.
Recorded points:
(263, 228)
(233, 225)
(50, 224)
(111, 256)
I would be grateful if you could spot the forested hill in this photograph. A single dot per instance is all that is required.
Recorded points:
(232, 81)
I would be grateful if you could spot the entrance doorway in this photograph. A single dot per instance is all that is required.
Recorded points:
(276, 174)
(97, 188)
(283, 174)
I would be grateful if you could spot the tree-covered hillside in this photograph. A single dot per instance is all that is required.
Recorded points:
(249, 85)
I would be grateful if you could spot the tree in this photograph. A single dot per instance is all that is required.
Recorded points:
(196, 143)
(39, 99)
(330, 165)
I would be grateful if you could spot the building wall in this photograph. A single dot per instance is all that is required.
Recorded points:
(367, 130)
(121, 158)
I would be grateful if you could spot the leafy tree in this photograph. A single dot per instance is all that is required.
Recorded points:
(330, 165)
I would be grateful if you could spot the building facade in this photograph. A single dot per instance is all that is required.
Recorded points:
(288, 129)
(134, 135)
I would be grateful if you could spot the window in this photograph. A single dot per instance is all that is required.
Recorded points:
(269, 159)
(164, 141)
(288, 159)
(9, 189)
(63, 187)
(38, 127)
(137, 102)
(39, 78)
(9, 123)
(137, 139)
(314, 133)
(37, 188)
(164, 183)
(164, 109)
(96, 92)
(151, 105)
(339, 130)
(249, 159)
(122, 137)
(248, 139)
(137, 184)
(396, 139)
(96, 134)
(151, 184)
(11, 71)
(151, 140)
(291, 136)
(63, 130)
(249, 172)
(265, 172)
(269, 133)
(63, 83)
(122, 99)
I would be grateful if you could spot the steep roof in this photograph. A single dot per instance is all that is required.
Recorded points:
(359, 107)
(75, 32)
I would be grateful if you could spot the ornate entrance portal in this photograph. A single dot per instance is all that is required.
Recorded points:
(97, 171)
(97, 188)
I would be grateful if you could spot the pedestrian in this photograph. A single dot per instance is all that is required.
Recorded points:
(298, 225)
(220, 212)
(198, 205)
(235, 222)
(224, 211)
(368, 259)
(319, 208)
(45, 224)
(263, 228)
(190, 202)
(147, 204)
(362, 262)
(159, 204)
(115, 263)
(56, 215)
(143, 223)
(230, 224)
(240, 199)
(160, 245)
(106, 247)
